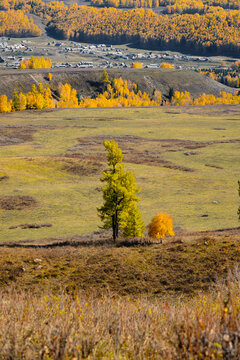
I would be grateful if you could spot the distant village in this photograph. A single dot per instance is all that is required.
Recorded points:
(105, 56)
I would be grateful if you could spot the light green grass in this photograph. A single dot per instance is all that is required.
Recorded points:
(69, 201)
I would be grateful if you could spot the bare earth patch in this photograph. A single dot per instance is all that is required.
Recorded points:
(15, 135)
(4, 177)
(17, 202)
(76, 166)
(138, 150)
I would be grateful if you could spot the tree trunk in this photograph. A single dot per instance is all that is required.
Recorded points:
(114, 228)
(117, 225)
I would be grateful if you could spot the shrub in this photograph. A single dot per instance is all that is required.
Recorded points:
(166, 66)
(137, 65)
(160, 226)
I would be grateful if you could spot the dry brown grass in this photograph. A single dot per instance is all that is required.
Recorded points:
(185, 265)
(12, 135)
(111, 327)
(86, 299)
(17, 202)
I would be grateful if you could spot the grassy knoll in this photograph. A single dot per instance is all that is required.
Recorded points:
(125, 302)
(185, 266)
(185, 159)
(88, 82)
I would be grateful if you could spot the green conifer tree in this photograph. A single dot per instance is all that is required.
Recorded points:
(119, 195)
(132, 223)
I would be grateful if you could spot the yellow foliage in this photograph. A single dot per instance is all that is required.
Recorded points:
(122, 93)
(165, 65)
(118, 92)
(216, 30)
(68, 97)
(22, 101)
(49, 76)
(211, 25)
(231, 78)
(16, 23)
(5, 105)
(160, 226)
(137, 65)
(181, 98)
(36, 63)
(37, 98)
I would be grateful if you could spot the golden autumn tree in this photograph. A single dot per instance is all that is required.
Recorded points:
(160, 226)
(36, 63)
(137, 65)
(19, 101)
(5, 105)
(165, 65)
(68, 97)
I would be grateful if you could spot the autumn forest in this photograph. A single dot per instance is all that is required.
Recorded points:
(195, 26)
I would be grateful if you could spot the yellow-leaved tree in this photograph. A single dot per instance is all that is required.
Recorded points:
(68, 97)
(5, 105)
(165, 65)
(137, 65)
(160, 226)
(36, 63)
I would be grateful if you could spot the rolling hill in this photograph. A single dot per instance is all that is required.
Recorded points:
(88, 81)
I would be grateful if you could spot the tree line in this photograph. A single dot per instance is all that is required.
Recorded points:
(214, 32)
(115, 92)
(171, 6)
(16, 23)
(227, 76)
(40, 97)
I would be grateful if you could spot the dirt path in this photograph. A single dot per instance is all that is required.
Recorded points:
(38, 21)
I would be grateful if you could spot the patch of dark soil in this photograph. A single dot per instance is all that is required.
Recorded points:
(31, 226)
(17, 202)
(2, 178)
(15, 135)
(188, 153)
(139, 150)
(136, 157)
(214, 166)
(82, 167)
(18, 134)
(172, 112)
(135, 150)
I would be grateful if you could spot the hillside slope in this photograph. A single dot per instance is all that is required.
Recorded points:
(189, 263)
(88, 81)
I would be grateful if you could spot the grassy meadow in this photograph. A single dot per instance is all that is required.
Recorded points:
(68, 295)
(186, 160)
